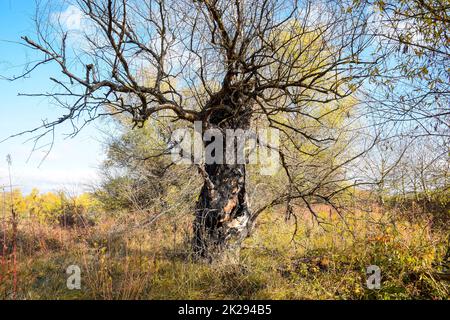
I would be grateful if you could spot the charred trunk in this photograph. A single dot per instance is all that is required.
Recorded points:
(222, 219)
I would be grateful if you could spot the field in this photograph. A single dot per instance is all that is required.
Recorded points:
(120, 257)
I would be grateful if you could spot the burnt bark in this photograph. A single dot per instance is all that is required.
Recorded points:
(222, 218)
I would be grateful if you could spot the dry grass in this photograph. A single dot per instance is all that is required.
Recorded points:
(120, 261)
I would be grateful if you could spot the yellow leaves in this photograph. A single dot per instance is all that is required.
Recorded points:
(424, 70)
(303, 49)
(86, 200)
(44, 207)
(381, 5)
(352, 87)
(14, 201)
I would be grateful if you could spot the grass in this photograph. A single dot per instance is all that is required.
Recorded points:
(328, 261)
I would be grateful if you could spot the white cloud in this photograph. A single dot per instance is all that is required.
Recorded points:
(72, 19)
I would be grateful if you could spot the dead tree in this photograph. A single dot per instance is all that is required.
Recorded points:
(223, 63)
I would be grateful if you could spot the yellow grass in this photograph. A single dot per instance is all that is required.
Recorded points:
(122, 261)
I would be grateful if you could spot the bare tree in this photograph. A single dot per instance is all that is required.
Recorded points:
(413, 88)
(224, 63)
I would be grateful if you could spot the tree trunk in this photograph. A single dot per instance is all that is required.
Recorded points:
(222, 216)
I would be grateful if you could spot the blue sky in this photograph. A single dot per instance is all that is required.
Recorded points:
(72, 163)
